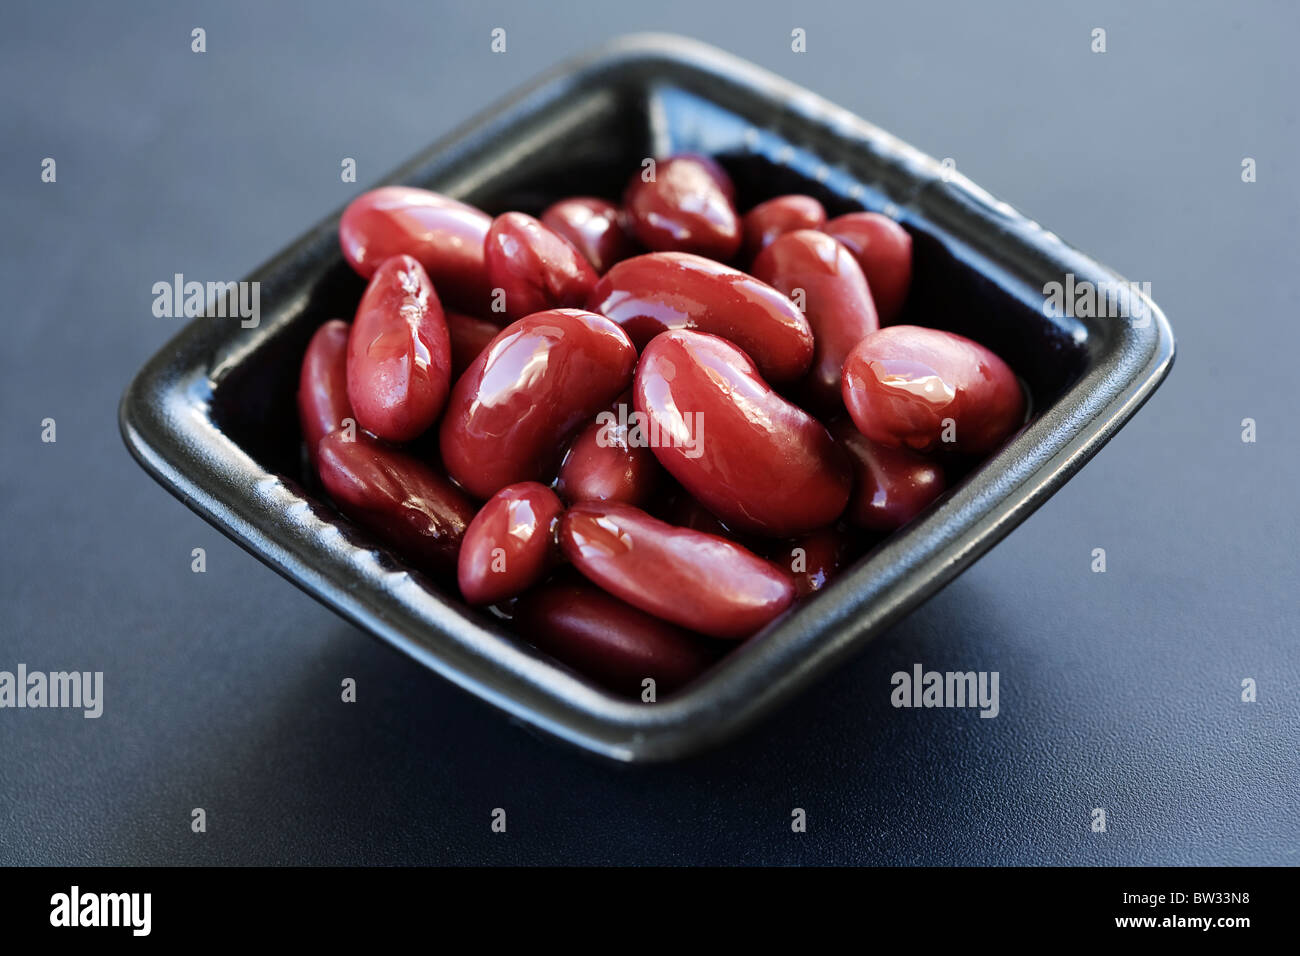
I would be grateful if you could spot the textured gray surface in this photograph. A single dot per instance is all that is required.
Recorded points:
(1118, 690)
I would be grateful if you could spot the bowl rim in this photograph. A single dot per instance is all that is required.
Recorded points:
(165, 420)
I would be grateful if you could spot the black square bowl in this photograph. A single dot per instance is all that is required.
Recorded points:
(212, 416)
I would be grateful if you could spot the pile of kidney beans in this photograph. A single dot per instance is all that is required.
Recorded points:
(617, 439)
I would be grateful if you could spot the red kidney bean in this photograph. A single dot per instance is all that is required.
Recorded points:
(711, 166)
(399, 353)
(687, 207)
(756, 461)
(442, 234)
(883, 249)
(600, 465)
(836, 302)
(671, 290)
(592, 226)
(534, 267)
(510, 544)
(699, 581)
(469, 336)
(891, 486)
(608, 640)
(756, 477)
(323, 384)
(813, 559)
(516, 406)
(777, 216)
(914, 386)
(402, 501)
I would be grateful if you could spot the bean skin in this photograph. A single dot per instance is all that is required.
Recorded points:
(837, 303)
(903, 383)
(762, 224)
(534, 267)
(614, 643)
(323, 384)
(711, 166)
(653, 293)
(687, 208)
(883, 249)
(600, 465)
(891, 486)
(695, 580)
(813, 559)
(469, 337)
(399, 353)
(510, 545)
(592, 226)
(444, 235)
(514, 409)
(402, 501)
(756, 461)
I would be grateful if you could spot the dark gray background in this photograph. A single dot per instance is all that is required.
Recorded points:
(222, 690)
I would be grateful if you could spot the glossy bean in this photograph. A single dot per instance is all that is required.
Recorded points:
(533, 267)
(813, 559)
(686, 207)
(711, 166)
(600, 465)
(614, 643)
(752, 458)
(444, 235)
(323, 384)
(891, 486)
(653, 293)
(698, 581)
(402, 501)
(512, 413)
(592, 226)
(927, 389)
(510, 545)
(773, 218)
(469, 337)
(883, 249)
(399, 353)
(816, 268)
